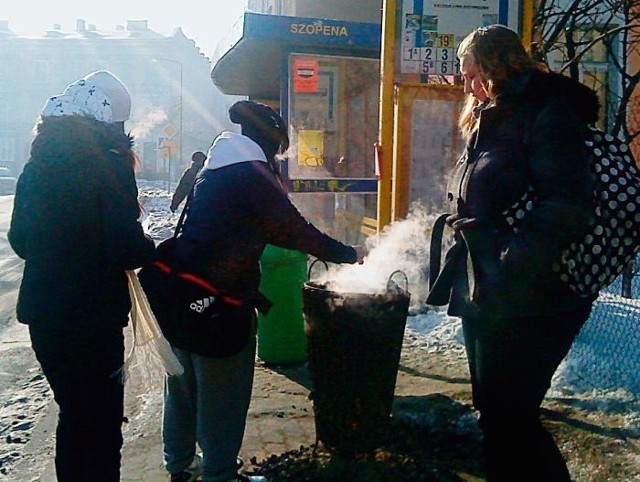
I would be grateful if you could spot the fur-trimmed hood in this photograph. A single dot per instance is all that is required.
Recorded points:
(535, 86)
(64, 141)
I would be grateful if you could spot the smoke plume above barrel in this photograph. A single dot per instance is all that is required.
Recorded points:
(402, 245)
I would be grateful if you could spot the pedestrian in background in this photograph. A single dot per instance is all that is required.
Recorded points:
(238, 206)
(524, 126)
(187, 179)
(75, 223)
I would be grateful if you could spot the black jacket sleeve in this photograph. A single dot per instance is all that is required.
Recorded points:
(285, 226)
(184, 187)
(127, 246)
(19, 219)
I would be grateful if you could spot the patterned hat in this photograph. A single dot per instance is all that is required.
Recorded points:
(100, 95)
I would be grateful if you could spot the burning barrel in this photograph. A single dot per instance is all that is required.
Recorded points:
(354, 343)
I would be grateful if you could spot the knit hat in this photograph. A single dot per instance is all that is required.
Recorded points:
(262, 124)
(100, 95)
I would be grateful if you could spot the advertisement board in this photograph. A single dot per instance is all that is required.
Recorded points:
(430, 31)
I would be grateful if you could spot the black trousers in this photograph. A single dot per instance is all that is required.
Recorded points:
(511, 362)
(80, 364)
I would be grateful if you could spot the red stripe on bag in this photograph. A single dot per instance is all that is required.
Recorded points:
(200, 282)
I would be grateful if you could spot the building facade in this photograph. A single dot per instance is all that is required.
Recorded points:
(175, 107)
(367, 11)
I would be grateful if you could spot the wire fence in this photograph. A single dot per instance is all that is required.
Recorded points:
(606, 353)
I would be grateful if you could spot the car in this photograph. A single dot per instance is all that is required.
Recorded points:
(7, 181)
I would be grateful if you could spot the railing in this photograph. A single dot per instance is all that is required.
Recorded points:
(627, 277)
(606, 354)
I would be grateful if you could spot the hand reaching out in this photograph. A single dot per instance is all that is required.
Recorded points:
(361, 252)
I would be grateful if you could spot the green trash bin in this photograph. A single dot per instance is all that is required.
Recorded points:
(281, 337)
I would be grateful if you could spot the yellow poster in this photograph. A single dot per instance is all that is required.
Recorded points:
(310, 148)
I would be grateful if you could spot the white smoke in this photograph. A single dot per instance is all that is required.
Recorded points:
(149, 121)
(402, 246)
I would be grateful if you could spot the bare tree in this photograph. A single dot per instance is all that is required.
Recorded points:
(593, 41)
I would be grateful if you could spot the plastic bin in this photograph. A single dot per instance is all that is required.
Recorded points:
(281, 338)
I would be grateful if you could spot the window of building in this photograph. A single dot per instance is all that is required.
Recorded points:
(593, 67)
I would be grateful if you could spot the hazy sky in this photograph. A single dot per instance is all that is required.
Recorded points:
(204, 22)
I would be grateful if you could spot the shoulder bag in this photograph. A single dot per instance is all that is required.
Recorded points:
(193, 314)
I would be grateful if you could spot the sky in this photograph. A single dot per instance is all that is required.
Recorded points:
(205, 25)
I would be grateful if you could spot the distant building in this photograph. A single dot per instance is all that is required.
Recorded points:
(353, 10)
(175, 107)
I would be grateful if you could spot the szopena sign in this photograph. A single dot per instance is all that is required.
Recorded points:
(310, 31)
(319, 28)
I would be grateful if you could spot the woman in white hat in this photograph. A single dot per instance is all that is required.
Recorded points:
(75, 223)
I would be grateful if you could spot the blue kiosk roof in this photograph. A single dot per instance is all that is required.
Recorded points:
(253, 63)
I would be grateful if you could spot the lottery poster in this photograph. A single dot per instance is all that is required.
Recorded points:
(431, 31)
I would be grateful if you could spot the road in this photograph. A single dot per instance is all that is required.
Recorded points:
(10, 268)
(24, 393)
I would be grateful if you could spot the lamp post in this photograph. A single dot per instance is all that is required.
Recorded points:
(161, 59)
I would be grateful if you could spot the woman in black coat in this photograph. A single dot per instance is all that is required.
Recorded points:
(75, 223)
(524, 126)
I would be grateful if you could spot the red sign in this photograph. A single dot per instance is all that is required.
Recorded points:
(305, 75)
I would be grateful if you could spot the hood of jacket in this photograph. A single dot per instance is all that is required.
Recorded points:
(65, 141)
(535, 86)
(231, 148)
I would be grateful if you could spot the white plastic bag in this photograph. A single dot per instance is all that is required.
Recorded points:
(150, 349)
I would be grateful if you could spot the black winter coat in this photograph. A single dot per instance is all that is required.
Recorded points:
(185, 185)
(235, 212)
(533, 135)
(75, 223)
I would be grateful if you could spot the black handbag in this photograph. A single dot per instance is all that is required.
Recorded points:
(193, 314)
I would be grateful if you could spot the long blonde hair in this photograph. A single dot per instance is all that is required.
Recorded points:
(500, 56)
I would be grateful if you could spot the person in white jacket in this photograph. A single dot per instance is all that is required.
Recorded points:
(238, 206)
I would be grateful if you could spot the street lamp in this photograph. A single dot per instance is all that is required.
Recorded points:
(161, 59)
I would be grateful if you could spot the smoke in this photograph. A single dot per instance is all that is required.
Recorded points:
(402, 246)
(149, 121)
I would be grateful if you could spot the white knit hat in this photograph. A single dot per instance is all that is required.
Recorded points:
(100, 95)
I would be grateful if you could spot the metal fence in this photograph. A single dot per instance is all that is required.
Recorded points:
(606, 353)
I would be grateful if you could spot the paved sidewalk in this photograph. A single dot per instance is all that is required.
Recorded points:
(598, 446)
(280, 416)
(280, 419)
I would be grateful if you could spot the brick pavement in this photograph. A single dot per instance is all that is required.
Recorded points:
(280, 419)
(280, 416)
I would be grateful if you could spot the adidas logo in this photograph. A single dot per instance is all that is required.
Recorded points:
(201, 305)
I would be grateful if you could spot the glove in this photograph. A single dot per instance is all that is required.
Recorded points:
(361, 252)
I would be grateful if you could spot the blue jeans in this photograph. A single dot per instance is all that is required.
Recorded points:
(208, 404)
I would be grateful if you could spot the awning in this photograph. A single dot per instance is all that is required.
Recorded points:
(253, 63)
